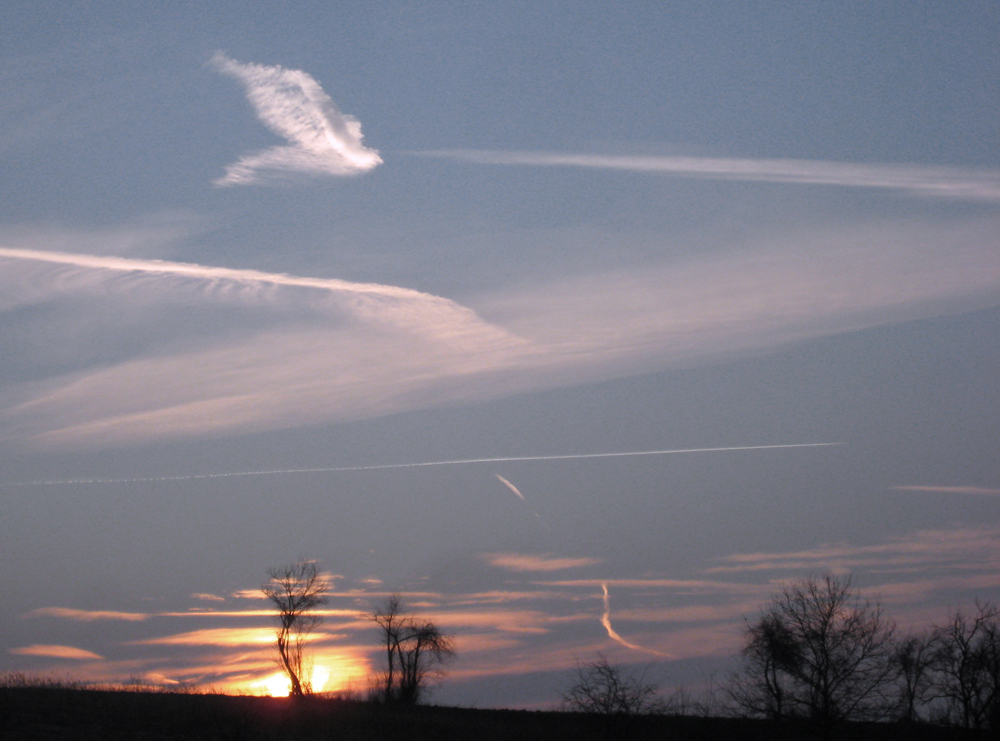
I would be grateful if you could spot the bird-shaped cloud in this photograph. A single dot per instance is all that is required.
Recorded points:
(322, 140)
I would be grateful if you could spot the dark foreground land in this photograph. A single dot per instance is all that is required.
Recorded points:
(58, 713)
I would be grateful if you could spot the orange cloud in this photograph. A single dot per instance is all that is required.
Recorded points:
(521, 562)
(214, 637)
(57, 652)
(86, 615)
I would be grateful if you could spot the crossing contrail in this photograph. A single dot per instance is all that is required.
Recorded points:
(425, 464)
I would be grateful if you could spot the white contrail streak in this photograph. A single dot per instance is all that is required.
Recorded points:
(393, 304)
(194, 270)
(613, 635)
(948, 182)
(520, 496)
(510, 486)
(385, 466)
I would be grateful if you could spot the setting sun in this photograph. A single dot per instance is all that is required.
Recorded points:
(276, 685)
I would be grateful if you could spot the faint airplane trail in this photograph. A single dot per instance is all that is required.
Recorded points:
(386, 466)
(520, 496)
(511, 487)
(606, 622)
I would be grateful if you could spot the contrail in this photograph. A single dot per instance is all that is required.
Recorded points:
(204, 272)
(403, 307)
(520, 496)
(948, 182)
(606, 622)
(511, 487)
(386, 466)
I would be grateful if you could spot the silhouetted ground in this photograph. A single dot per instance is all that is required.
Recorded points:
(59, 713)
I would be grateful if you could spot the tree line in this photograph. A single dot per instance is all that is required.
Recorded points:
(821, 653)
(818, 653)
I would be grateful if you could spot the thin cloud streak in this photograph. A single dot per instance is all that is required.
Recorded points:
(57, 652)
(954, 549)
(87, 616)
(323, 141)
(943, 182)
(606, 622)
(465, 461)
(523, 562)
(404, 307)
(978, 491)
(510, 486)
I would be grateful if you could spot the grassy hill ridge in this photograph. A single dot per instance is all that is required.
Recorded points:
(58, 713)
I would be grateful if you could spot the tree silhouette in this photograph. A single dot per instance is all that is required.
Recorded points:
(605, 689)
(415, 651)
(820, 652)
(917, 658)
(296, 591)
(968, 665)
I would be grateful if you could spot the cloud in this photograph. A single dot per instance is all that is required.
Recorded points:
(978, 491)
(957, 549)
(340, 337)
(214, 637)
(207, 597)
(87, 616)
(302, 350)
(520, 562)
(942, 182)
(57, 652)
(613, 634)
(322, 140)
(510, 486)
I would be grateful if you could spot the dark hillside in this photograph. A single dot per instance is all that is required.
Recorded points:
(59, 713)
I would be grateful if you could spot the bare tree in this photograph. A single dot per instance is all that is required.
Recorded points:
(818, 651)
(968, 663)
(415, 652)
(296, 591)
(916, 658)
(605, 689)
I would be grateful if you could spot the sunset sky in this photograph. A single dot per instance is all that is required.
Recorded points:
(257, 259)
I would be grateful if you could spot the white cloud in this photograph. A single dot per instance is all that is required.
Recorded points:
(942, 182)
(322, 140)
(319, 350)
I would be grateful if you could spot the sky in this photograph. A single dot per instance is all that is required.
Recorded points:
(583, 327)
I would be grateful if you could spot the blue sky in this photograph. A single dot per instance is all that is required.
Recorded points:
(264, 240)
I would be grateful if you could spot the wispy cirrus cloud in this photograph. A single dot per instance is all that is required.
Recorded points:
(57, 652)
(976, 491)
(940, 182)
(944, 557)
(322, 140)
(384, 327)
(525, 562)
(304, 350)
(87, 616)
